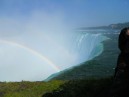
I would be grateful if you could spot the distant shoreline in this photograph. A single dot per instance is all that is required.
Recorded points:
(117, 26)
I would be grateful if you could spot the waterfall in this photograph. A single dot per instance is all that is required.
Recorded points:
(86, 46)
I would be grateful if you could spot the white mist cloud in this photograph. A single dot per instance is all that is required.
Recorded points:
(46, 33)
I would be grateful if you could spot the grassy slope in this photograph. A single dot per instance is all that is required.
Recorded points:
(27, 89)
(83, 88)
(100, 66)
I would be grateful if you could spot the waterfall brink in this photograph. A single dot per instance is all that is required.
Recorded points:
(87, 46)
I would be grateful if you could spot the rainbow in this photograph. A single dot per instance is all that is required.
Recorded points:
(31, 51)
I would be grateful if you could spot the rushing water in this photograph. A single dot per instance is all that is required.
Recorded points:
(87, 45)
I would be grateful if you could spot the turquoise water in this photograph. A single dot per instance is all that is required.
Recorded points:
(86, 46)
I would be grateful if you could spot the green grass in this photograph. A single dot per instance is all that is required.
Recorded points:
(84, 88)
(27, 89)
(57, 88)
